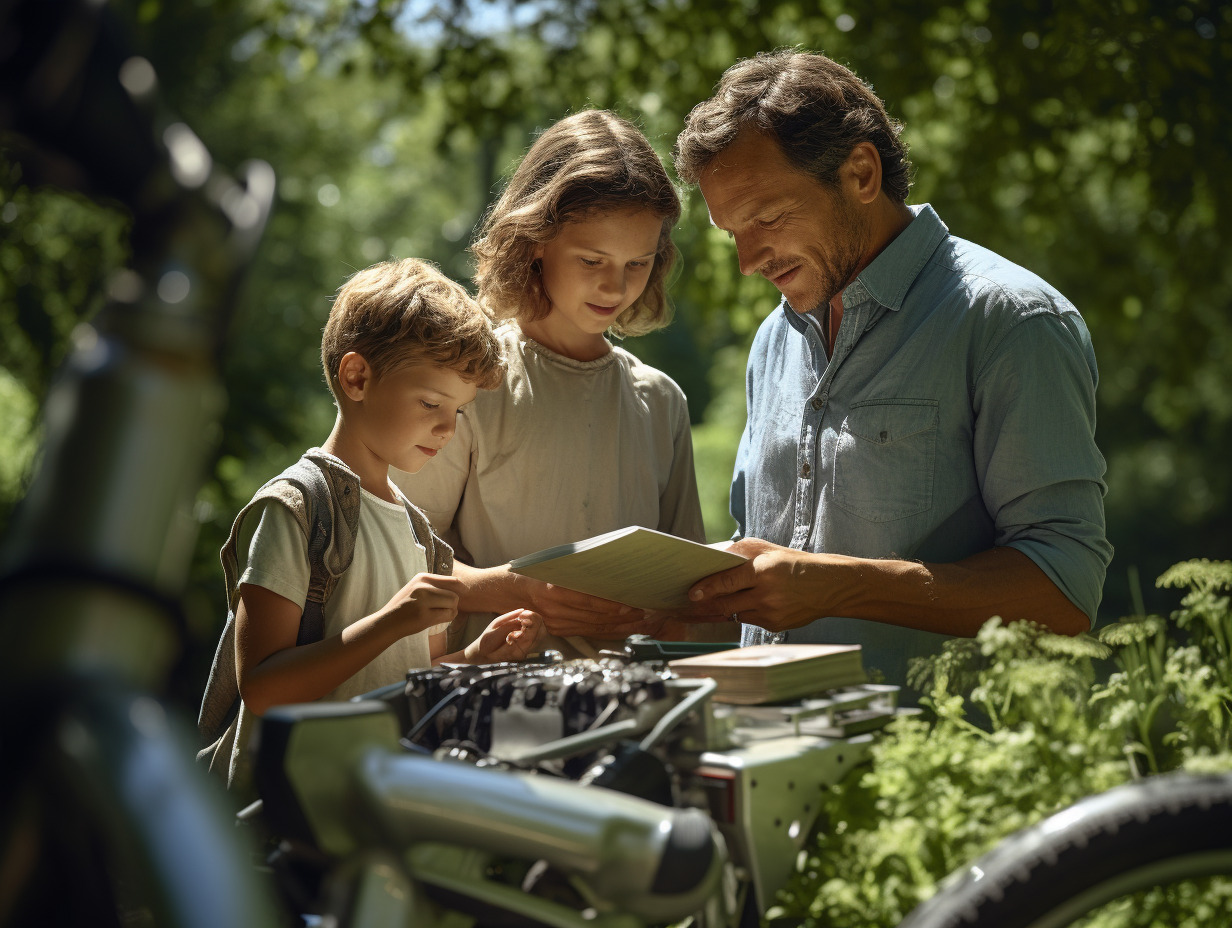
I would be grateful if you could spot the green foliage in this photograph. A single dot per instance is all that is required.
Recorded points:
(715, 441)
(17, 420)
(1176, 696)
(57, 251)
(1020, 727)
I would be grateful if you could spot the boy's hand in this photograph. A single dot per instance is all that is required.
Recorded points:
(509, 637)
(427, 600)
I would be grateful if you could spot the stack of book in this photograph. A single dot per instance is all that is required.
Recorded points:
(775, 672)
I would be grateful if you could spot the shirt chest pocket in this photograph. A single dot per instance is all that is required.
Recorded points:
(884, 459)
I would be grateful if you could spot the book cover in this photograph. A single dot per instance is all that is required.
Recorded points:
(637, 566)
(775, 672)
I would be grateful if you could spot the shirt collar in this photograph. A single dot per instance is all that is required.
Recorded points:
(891, 274)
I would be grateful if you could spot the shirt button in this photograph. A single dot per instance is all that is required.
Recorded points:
(818, 402)
(805, 471)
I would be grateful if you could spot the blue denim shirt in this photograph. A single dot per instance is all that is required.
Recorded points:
(956, 414)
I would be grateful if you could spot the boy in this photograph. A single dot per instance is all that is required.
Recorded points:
(404, 349)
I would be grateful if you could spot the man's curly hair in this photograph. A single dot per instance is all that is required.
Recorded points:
(814, 108)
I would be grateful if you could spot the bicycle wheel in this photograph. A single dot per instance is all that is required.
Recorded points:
(1133, 837)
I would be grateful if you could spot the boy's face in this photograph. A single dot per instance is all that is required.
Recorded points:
(406, 416)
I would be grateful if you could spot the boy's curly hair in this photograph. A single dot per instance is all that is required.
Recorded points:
(404, 312)
(591, 162)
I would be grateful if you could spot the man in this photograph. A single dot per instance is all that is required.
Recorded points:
(919, 454)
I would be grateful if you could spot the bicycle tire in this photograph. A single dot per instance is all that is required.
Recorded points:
(1134, 837)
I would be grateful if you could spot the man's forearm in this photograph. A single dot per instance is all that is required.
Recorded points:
(957, 598)
(781, 588)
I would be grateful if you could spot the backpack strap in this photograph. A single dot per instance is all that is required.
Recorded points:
(323, 495)
(331, 491)
(440, 561)
(439, 554)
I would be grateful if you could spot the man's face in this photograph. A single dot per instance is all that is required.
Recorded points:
(806, 238)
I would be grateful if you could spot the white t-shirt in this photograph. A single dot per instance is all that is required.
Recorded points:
(386, 557)
(273, 554)
(563, 451)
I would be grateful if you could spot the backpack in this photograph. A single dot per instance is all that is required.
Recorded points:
(324, 496)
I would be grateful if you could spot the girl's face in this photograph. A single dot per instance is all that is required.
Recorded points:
(593, 270)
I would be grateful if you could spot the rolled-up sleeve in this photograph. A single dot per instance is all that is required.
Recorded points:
(1040, 472)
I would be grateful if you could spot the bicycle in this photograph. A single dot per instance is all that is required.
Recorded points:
(98, 791)
(1134, 837)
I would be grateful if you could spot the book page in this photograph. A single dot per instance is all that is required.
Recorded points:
(641, 568)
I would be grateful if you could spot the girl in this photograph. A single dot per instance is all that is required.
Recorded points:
(585, 438)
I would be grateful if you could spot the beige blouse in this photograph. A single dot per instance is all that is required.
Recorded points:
(564, 450)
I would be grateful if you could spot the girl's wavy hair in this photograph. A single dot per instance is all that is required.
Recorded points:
(585, 164)
(404, 312)
(816, 109)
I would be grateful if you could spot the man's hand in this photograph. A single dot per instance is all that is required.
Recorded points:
(775, 588)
